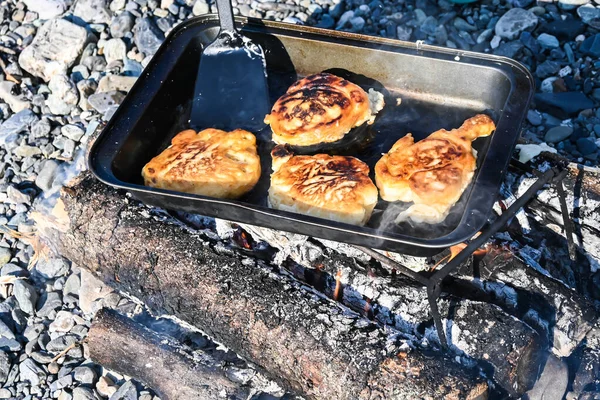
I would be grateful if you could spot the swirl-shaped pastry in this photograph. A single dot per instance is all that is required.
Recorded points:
(321, 108)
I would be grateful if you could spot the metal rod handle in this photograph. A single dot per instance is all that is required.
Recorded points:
(225, 11)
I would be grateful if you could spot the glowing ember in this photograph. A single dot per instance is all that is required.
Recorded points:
(242, 239)
(338, 285)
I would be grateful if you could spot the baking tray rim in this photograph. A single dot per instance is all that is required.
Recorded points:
(449, 239)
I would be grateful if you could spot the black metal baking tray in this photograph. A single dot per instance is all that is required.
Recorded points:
(435, 88)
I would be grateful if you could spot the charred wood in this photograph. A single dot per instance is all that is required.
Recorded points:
(503, 346)
(556, 311)
(122, 345)
(309, 343)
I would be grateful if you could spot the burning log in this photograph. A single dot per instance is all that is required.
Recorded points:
(582, 189)
(560, 313)
(473, 328)
(310, 344)
(119, 343)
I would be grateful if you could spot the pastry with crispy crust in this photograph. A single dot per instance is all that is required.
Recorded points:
(211, 163)
(432, 173)
(337, 188)
(321, 108)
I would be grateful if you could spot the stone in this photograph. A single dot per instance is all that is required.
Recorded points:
(571, 4)
(15, 196)
(403, 32)
(558, 134)
(93, 11)
(61, 383)
(26, 151)
(85, 375)
(326, 22)
(32, 332)
(55, 47)
(115, 50)
(147, 36)
(105, 386)
(9, 345)
(64, 95)
(110, 83)
(14, 270)
(547, 68)
(72, 285)
(548, 41)
(586, 146)
(101, 102)
(591, 46)
(552, 383)
(52, 268)
(41, 128)
(509, 49)
(53, 368)
(566, 29)
(17, 123)
(200, 7)
(515, 21)
(15, 102)
(73, 132)
(127, 391)
(60, 343)
(25, 295)
(121, 25)
(47, 174)
(30, 372)
(47, 9)
(5, 394)
(63, 322)
(92, 289)
(563, 104)
(5, 365)
(590, 15)
(5, 331)
(5, 255)
(83, 393)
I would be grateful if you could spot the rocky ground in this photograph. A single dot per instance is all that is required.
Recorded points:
(66, 67)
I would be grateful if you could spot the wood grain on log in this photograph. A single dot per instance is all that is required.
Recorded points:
(309, 343)
(120, 344)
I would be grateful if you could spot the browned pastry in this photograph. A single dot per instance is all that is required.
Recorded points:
(212, 163)
(432, 173)
(331, 187)
(321, 108)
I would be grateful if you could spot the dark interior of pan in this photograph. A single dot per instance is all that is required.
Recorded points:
(426, 88)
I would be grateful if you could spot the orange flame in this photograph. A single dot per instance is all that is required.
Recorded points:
(338, 285)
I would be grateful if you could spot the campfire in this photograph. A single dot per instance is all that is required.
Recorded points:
(508, 313)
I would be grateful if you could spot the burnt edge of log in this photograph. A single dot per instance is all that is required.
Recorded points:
(308, 343)
(123, 345)
(474, 329)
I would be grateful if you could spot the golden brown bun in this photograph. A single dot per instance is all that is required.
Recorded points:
(332, 187)
(212, 163)
(320, 108)
(432, 173)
